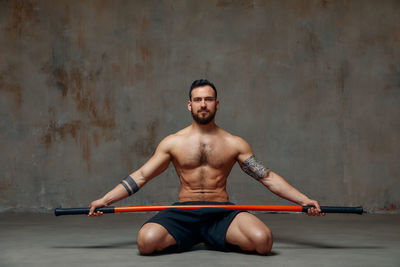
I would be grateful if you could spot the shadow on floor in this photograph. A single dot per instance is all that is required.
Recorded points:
(298, 244)
(117, 245)
(133, 245)
(314, 244)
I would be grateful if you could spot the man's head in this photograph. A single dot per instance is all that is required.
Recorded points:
(203, 103)
(200, 83)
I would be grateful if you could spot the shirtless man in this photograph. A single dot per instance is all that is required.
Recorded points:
(203, 156)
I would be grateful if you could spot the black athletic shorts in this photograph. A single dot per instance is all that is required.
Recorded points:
(190, 227)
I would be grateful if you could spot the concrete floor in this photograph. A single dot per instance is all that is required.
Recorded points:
(334, 240)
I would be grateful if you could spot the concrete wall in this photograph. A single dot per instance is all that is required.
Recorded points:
(89, 88)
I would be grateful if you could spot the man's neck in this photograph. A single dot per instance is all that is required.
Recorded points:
(204, 128)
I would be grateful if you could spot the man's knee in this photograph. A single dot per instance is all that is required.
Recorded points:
(147, 239)
(262, 240)
(153, 237)
(250, 234)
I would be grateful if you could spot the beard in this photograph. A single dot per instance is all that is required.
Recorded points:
(203, 120)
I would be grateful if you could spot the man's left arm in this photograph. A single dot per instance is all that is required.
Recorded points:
(273, 181)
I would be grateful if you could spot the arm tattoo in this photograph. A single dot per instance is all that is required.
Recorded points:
(254, 168)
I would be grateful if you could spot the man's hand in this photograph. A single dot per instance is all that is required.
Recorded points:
(94, 205)
(313, 211)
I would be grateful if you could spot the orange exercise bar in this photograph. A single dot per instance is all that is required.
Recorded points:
(265, 208)
(195, 207)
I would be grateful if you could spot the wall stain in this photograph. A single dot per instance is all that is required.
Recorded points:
(61, 81)
(344, 112)
(139, 72)
(344, 95)
(97, 116)
(107, 105)
(55, 131)
(391, 206)
(146, 54)
(23, 15)
(325, 3)
(101, 7)
(116, 68)
(383, 40)
(9, 84)
(66, 19)
(5, 184)
(300, 8)
(312, 43)
(84, 142)
(144, 25)
(342, 76)
(80, 33)
(81, 37)
(235, 3)
(141, 69)
(396, 38)
(96, 139)
(146, 145)
(130, 73)
(393, 77)
(81, 89)
(16, 90)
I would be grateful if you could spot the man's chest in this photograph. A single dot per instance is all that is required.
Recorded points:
(193, 153)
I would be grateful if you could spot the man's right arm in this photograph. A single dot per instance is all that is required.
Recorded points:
(154, 166)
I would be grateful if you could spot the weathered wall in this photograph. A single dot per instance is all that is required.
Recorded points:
(88, 89)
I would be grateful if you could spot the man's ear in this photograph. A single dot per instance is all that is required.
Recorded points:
(217, 105)
(189, 105)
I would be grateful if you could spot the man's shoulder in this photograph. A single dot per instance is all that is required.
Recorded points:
(240, 145)
(234, 140)
(229, 136)
(172, 139)
(179, 134)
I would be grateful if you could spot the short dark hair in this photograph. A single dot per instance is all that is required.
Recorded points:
(199, 83)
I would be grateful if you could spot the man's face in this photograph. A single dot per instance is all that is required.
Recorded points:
(203, 104)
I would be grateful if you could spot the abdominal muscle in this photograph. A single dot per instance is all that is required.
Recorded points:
(203, 185)
(203, 195)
